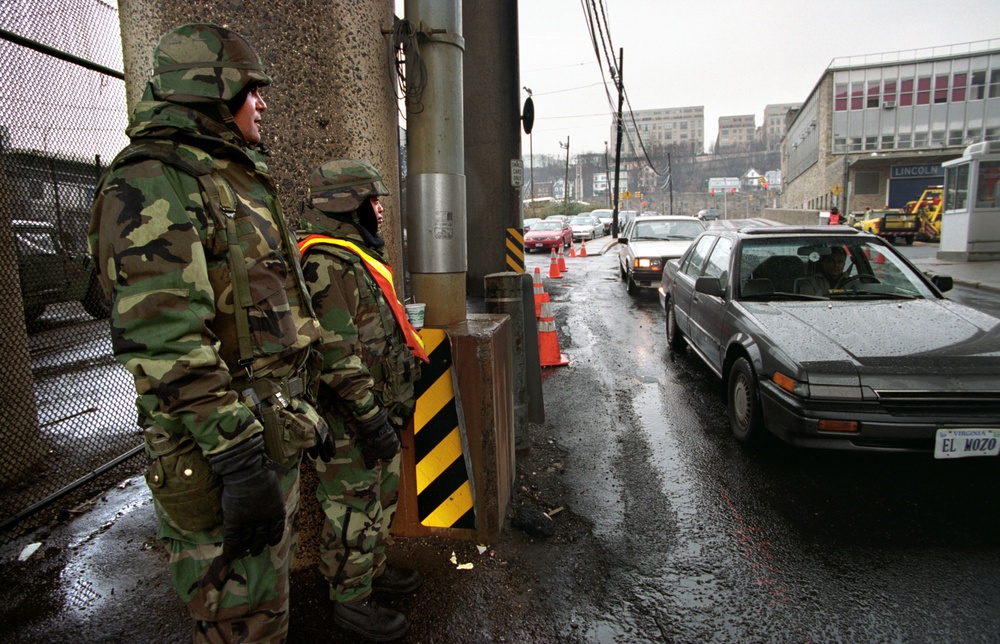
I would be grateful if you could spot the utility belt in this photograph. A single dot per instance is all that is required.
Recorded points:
(289, 425)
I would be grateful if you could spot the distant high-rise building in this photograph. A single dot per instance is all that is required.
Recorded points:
(736, 132)
(663, 127)
(773, 127)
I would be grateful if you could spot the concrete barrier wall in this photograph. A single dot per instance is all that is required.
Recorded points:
(795, 216)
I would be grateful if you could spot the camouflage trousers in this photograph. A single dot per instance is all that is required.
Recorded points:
(245, 601)
(359, 504)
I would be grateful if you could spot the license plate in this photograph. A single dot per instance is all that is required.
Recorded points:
(959, 443)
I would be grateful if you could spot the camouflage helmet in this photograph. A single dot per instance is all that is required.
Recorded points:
(342, 185)
(206, 61)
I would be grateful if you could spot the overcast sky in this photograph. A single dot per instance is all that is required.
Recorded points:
(731, 57)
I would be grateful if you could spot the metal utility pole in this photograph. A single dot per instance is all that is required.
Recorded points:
(566, 179)
(670, 183)
(618, 145)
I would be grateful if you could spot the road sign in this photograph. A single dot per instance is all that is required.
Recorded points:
(627, 194)
(516, 173)
(836, 190)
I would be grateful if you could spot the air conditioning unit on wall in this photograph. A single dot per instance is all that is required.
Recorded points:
(889, 105)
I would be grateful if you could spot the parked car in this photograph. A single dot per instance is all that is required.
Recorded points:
(49, 273)
(529, 222)
(708, 214)
(881, 362)
(605, 216)
(647, 243)
(547, 234)
(586, 227)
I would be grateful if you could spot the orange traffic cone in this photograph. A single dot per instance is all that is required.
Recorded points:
(554, 266)
(583, 248)
(540, 294)
(572, 249)
(548, 341)
(562, 261)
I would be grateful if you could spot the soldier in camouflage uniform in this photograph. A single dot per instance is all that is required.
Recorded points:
(369, 366)
(211, 317)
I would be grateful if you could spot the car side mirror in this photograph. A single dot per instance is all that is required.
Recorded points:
(709, 286)
(623, 240)
(944, 283)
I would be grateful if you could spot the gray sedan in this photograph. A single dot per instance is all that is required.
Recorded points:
(831, 338)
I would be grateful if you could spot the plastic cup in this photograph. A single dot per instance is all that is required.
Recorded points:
(415, 313)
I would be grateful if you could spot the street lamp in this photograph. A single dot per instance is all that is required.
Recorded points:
(566, 179)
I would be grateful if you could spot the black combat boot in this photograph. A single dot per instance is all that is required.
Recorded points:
(367, 617)
(397, 581)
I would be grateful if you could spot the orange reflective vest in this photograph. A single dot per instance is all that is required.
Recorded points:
(382, 275)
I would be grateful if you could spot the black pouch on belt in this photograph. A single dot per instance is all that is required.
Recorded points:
(182, 482)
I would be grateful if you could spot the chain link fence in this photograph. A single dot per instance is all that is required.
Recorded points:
(67, 416)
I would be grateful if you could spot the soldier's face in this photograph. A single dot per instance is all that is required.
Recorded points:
(248, 115)
(378, 209)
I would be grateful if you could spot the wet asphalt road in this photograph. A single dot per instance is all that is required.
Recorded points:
(705, 541)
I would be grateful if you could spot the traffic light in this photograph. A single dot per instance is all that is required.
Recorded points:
(732, 191)
(713, 192)
(765, 185)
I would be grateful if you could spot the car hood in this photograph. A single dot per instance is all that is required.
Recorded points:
(890, 341)
(659, 248)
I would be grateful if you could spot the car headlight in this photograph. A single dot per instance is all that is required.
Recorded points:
(646, 262)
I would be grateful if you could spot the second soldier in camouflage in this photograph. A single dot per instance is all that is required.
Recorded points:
(365, 391)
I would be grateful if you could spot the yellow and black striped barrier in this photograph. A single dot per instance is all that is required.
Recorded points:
(445, 497)
(515, 250)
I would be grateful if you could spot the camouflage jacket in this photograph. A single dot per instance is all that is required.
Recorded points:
(365, 361)
(163, 257)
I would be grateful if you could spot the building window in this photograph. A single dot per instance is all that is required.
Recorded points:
(976, 91)
(906, 92)
(956, 187)
(955, 137)
(988, 186)
(992, 134)
(958, 87)
(937, 137)
(873, 88)
(995, 83)
(924, 90)
(903, 140)
(857, 96)
(871, 142)
(974, 134)
(839, 143)
(889, 91)
(888, 141)
(941, 89)
(920, 139)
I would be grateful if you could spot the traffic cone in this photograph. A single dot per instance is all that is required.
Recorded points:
(562, 261)
(879, 258)
(554, 272)
(540, 294)
(548, 340)
(583, 248)
(572, 249)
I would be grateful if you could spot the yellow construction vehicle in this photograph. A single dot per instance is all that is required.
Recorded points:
(928, 208)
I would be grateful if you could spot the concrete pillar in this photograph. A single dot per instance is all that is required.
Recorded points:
(492, 133)
(332, 97)
(333, 85)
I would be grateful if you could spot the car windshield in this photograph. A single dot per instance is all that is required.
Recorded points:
(547, 225)
(582, 221)
(827, 268)
(666, 230)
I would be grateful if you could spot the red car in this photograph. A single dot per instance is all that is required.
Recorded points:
(548, 234)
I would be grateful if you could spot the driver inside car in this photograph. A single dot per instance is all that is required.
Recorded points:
(826, 272)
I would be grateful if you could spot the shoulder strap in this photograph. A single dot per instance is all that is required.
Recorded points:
(221, 203)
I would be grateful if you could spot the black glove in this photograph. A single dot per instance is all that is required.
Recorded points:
(377, 438)
(325, 448)
(253, 510)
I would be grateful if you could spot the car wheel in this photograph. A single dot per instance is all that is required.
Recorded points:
(745, 418)
(630, 286)
(909, 241)
(675, 340)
